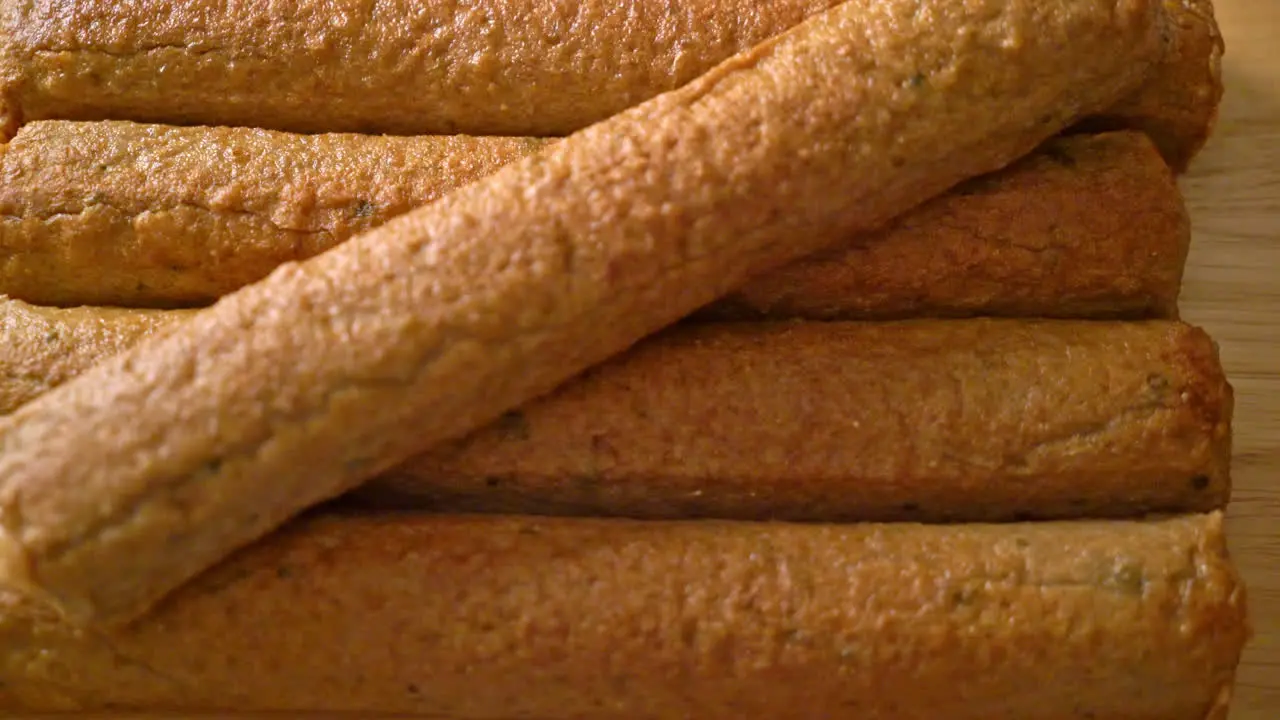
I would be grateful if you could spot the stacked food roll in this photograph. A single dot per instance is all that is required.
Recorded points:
(638, 359)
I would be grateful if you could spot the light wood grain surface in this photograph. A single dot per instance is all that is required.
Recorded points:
(1232, 288)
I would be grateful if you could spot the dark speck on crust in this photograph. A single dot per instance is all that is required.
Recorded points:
(1057, 153)
(586, 482)
(358, 464)
(513, 425)
(980, 185)
(1127, 578)
(1157, 382)
(364, 209)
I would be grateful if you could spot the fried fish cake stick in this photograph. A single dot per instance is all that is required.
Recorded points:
(1178, 107)
(328, 372)
(470, 617)
(932, 420)
(117, 213)
(120, 214)
(41, 348)
(1089, 227)
(505, 67)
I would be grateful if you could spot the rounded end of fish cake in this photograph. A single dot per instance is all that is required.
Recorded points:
(1177, 106)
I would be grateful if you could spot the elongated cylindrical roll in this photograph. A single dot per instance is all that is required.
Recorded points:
(941, 420)
(554, 618)
(118, 213)
(1178, 107)
(108, 213)
(41, 348)
(945, 420)
(506, 67)
(301, 387)
(1089, 227)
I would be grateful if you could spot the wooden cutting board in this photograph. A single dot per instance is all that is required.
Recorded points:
(1232, 288)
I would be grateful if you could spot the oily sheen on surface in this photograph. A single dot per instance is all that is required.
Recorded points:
(492, 67)
(956, 420)
(490, 617)
(135, 215)
(300, 387)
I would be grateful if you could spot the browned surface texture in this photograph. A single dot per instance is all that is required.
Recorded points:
(1178, 107)
(328, 372)
(1232, 289)
(1092, 226)
(508, 67)
(528, 67)
(113, 213)
(117, 213)
(943, 420)
(548, 618)
(41, 348)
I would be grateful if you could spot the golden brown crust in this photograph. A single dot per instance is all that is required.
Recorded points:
(497, 67)
(505, 67)
(117, 213)
(937, 421)
(1178, 106)
(943, 420)
(11, 78)
(1089, 227)
(41, 348)
(302, 386)
(113, 213)
(520, 617)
